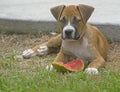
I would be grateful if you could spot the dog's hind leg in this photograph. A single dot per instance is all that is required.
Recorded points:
(53, 45)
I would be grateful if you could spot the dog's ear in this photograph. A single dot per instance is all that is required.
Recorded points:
(57, 11)
(85, 11)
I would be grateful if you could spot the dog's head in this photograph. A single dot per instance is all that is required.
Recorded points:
(72, 19)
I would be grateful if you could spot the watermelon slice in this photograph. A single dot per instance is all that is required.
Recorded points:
(70, 66)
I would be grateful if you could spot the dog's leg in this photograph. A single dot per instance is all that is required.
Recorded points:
(52, 45)
(94, 65)
(60, 57)
(97, 62)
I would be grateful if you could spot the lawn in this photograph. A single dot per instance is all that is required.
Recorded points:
(29, 75)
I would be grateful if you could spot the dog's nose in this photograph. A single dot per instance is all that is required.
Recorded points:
(68, 32)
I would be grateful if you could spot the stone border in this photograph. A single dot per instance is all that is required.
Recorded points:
(112, 32)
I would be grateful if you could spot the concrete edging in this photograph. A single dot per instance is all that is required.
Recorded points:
(111, 31)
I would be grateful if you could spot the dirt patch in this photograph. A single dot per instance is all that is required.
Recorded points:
(113, 60)
(21, 42)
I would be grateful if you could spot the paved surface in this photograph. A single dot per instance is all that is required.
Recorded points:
(106, 11)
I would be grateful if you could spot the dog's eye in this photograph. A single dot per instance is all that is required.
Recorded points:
(62, 20)
(76, 20)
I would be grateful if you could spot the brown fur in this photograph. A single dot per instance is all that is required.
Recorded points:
(97, 44)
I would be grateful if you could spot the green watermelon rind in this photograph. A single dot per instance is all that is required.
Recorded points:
(59, 66)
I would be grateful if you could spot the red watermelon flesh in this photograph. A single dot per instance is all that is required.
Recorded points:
(72, 66)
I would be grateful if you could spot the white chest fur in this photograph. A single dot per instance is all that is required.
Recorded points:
(78, 49)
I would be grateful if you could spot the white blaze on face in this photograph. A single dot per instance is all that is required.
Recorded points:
(69, 27)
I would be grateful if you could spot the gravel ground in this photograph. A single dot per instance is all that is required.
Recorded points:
(20, 42)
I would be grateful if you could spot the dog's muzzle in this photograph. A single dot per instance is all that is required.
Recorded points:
(69, 32)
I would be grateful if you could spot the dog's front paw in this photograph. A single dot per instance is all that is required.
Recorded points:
(91, 70)
(42, 50)
(28, 53)
(49, 68)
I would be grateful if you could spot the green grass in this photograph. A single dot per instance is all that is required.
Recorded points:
(16, 78)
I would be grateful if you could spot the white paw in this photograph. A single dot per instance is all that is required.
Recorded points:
(42, 50)
(53, 33)
(91, 70)
(49, 68)
(28, 53)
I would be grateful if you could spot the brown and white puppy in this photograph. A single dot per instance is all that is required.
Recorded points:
(77, 39)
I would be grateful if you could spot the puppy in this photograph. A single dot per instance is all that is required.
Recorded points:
(78, 39)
